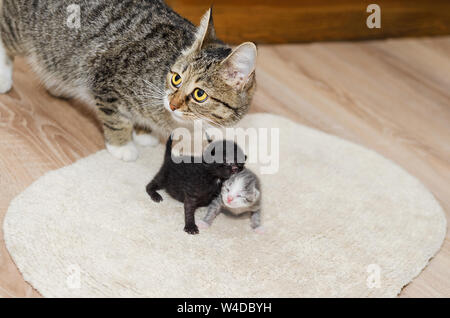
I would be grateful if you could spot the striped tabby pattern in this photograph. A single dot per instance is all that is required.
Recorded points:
(121, 61)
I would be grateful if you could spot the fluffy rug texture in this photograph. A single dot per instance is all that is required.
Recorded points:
(340, 220)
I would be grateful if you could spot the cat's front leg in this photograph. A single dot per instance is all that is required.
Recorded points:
(117, 131)
(143, 137)
(154, 185)
(189, 217)
(255, 222)
(214, 209)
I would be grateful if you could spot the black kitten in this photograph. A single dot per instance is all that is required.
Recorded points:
(196, 181)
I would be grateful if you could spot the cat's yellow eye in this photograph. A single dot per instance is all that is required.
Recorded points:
(199, 95)
(176, 80)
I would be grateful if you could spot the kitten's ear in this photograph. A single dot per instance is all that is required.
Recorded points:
(240, 65)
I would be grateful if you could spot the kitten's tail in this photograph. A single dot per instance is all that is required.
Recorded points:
(168, 153)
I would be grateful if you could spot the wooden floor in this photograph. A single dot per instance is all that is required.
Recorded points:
(392, 96)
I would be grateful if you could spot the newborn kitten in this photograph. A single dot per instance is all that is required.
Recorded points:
(196, 181)
(240, 193)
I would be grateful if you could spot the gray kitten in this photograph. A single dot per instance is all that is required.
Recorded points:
(137, 63)
(240, 194)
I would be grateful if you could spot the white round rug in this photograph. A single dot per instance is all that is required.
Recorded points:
(340, 220)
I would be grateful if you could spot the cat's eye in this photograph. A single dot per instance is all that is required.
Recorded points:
(176, 80)
(200, 95)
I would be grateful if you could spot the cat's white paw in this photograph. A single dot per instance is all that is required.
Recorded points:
(5, 78)
(202, 224)
(145, 139)
(127, 152)
(259, 230)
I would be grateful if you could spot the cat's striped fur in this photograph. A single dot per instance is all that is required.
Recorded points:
(121, 59)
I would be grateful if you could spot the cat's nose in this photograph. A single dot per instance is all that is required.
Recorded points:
(229, 198)
(175, 103)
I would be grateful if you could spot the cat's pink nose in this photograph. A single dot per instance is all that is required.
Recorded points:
(229, 198)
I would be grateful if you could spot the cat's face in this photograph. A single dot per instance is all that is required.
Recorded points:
(211, 82)
(239, 191)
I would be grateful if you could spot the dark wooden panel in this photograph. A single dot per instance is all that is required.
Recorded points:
(282, 21)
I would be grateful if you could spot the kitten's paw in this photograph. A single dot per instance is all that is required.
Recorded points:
(259, 230)
(202, 224)
(156, 197)
(127, 152)
(145, 139)
(5, 78)
(191, 229)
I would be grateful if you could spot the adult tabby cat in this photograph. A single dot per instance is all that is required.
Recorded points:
(136, 62)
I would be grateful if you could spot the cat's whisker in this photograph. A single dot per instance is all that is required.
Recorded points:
(155, 88)
(202, 117)
(151, 96)
(154, 92)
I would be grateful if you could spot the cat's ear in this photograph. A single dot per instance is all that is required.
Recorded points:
(240, 65)
(205, 32)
